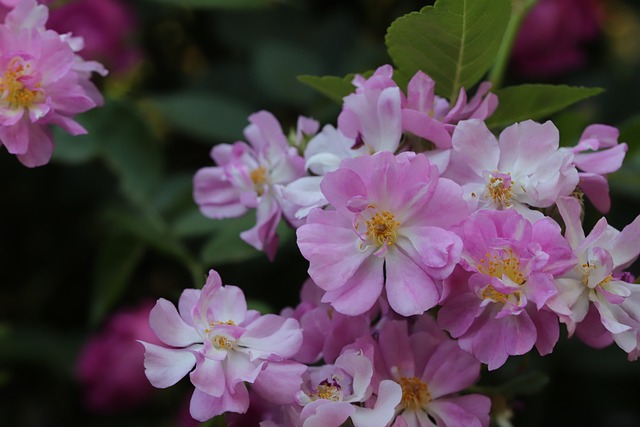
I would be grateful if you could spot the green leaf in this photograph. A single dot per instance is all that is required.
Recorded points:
(535, 101)
(77, 149)
(206, 115)
(154, 232)
(219, 4)
(226, 246)
(192, 223)
(455, 41)
(333, 87)
(525, 384)
(115, 264)
(125, 142)
(276, 64)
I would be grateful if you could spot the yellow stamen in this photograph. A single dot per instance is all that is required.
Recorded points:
(498, 192)
(415, 393)
(221, 342)
(13, 90)
(259, 178)
(382, 228)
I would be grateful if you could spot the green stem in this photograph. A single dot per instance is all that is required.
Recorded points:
(519, 11)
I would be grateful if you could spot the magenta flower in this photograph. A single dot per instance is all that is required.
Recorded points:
(109, 366)
(389, 229)
(431, 374)
(552, 38)
(596, 155)
(93, 21)
(523, 168)
(42, 82)
(500, 309)
(228, 345)
(245, 177)
(598, 279)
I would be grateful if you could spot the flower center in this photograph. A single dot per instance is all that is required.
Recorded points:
(499, 189)
(15, 85)
(586, 270)
(221, 342)
(328, 390)
(415, 393)
(259, 178)
(382, 228)
(508, 266)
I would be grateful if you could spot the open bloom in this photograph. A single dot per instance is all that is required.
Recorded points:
(389, 228)
(332, 393)
(431, 372)
(228, 345)
(523, 168)
(598, 279)
(499, 307)
(245, 177)
(42, 82)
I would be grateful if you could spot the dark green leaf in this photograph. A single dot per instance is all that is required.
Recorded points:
(630, 133)
(535, 101)
(192, 223)
(116, 261)
(206, 115)
(225, 245)
(333, 87)
(75, 149)
(525, 384)
(454, 41)
(128, 147)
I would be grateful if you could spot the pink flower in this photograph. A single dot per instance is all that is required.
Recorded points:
(332, 393)
(228, 345)
(431, 374)
(523, 168)
(434, 119)
(324, 332)
(42, 82)
(553, 36)
(602, 257)
(245, 178)
(372, 115)
(499, 309)
(596, 155)
(93, 21)
(389, 229)
(109, 365)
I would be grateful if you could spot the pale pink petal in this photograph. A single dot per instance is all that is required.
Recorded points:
(169, 327)
(361, 290)
(208, 377)
(410, 290)
(203, 406)
(272, 336)
(389, 396)
(279, 382)
(166, 366)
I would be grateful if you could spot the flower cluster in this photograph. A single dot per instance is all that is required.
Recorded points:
(43, 82)
(410, 203)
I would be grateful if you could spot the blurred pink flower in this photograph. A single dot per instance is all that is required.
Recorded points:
(110, 365)
(553, 35)
(107, 27)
